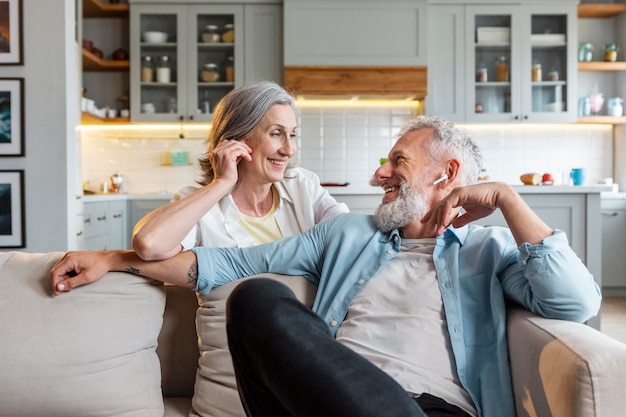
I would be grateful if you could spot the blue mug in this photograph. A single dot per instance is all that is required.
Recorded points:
(578, 176)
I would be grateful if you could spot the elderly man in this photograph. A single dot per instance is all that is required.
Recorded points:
(409, 316)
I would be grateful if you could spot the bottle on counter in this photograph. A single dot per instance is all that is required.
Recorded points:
(163, 71)
(502, 69)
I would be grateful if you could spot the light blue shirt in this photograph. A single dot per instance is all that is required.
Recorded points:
(477, 268)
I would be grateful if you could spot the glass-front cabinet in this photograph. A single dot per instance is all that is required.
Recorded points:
(521, 64)
(184, 59)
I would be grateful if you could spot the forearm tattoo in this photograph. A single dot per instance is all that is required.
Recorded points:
(192, 274)
(133, 270)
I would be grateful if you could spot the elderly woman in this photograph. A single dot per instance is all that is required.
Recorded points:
(249, 194)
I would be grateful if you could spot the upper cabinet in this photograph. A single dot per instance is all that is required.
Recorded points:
(185, 59)
(518, 63)
(355, 32)
(528, 55)
(197, 53)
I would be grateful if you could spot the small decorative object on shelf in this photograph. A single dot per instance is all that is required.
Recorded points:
(536, 72)
(502, 69)
(610, 52)
(585, 52)
(211, 34)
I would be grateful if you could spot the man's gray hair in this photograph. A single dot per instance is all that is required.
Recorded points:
(449, 141)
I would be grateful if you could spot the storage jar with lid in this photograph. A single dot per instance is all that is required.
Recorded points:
(230, 69)
(163, 71)
(502, 69)
(147, 70)
(229, 33)
(211, 34)
(610, 52)
(585, 52)
(481, 74)
(210, 73)
(537, 73)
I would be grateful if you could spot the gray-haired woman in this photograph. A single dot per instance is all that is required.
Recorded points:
(249, 194)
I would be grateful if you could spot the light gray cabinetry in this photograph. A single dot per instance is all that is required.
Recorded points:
(106, 225)
(355, 32)
(614, 246)
(525, 34)
(182, 95)
(139, 208)
(446, 61)
(263, 42)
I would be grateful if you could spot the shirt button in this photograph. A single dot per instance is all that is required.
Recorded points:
(389, 252)
(361, 281)
(333, 323)
(395, 238)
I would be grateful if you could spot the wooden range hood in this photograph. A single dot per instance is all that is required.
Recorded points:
(359, 81)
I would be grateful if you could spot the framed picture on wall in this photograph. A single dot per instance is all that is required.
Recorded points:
(11, 116)
(11, 32)
(12, 219)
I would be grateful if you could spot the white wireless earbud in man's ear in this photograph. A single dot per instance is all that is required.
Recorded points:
(442, 178)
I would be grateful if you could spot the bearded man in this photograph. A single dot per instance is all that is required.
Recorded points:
(409, 316)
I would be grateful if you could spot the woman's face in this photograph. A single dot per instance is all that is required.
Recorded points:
(273, 144)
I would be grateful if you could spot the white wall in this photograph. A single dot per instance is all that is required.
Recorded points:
(51, 78)
(345, 144)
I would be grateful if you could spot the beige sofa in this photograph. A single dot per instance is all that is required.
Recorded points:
(127, 346)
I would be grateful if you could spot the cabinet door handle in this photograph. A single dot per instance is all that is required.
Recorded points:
(191, 117)
(610, 213)
(79, 233)
(87, 220)
(101, 218)
(117, 216)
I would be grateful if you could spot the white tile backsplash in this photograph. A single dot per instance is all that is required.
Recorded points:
(345, 145)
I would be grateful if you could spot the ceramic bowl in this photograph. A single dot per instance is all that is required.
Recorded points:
(154, 37)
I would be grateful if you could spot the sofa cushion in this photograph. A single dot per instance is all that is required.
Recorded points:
(215, 393)
(89, 352)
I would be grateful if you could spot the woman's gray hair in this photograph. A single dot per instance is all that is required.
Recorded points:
(237, 114)
(449, 141)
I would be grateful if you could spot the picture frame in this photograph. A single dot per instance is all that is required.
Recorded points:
(11, 117)
(11, 30)
(12, 218)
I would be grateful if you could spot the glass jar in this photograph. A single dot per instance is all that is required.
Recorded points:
(211, 34)
(502, 69)
(228, 35)
(163, 71)
(537, 73)
(147, 70)
(610, 52)
(210, 73)
(585, 52)
(230, 69)
(482, 74)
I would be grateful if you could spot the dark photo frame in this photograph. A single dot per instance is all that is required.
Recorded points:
(11, 116)
(11, 30)
(12, 218)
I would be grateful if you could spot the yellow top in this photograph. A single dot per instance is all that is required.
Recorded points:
(263, 229)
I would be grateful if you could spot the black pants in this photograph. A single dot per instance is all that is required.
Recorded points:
(288, 364)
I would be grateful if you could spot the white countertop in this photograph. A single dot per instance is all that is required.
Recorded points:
(88, 198)
(522, 189)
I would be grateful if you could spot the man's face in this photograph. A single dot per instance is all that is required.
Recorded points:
(407, 179)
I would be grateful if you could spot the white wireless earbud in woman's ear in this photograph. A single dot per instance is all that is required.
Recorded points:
(442, 178)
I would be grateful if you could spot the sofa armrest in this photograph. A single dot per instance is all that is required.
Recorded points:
(564, 369)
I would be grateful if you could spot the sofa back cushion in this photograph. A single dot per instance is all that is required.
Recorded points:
(89, 352)
(215, 393)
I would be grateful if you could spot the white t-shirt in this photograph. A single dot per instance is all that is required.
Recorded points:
(303, 203)
(398, 323)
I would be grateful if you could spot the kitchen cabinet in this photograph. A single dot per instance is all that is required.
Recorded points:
(184, 94)
(526, 36)
(355, 32)
(614, 246)
(140, 207)
(601, 23)
(106, 225)
(105, 80)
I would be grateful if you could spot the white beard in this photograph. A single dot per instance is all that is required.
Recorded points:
(407, 207)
